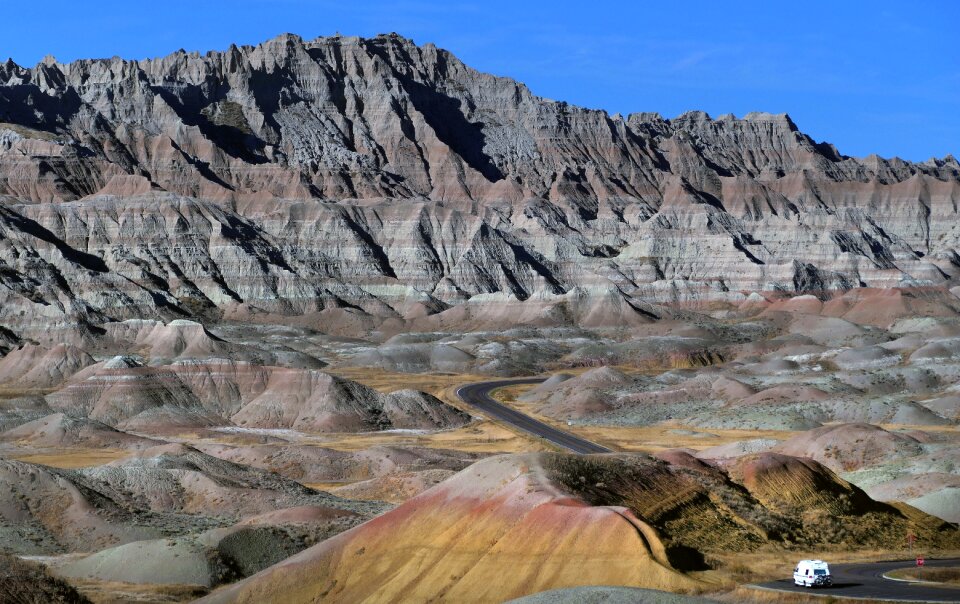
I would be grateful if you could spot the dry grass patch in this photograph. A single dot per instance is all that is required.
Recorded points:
(949, 575)
(23, 582)
(486, 437)
(388, 381)
(947, 429)
(512, 394)
(478, 437)
(643, 439)
(651, 439)
(26, 132)
(114, 592)
(71, 459)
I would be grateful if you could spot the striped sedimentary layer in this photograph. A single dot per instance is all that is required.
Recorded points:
(359, 182)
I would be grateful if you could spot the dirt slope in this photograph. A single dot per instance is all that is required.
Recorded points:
(515, 525)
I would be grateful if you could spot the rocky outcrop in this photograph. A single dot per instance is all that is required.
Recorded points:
(467, 531)
(39, 367)
(846, 447)
(360, 181)
(158, 492)
(61, 431)
(312, 464)
(319, 402)
(512, 525)
(216, 555)
(123, 392)
(179, 478)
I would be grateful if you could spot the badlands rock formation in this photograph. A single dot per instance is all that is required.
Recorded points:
(514, 525)
(33, 366)
(359, 182)
(500, 529)
(197, 251)
(312, 464)
(216, 555)
(846, 447)
(61, 431)
(123, 392)
(167, 490)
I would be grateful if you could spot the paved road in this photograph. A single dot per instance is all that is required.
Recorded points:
(866, 581)
(850, 580)
(478, 396)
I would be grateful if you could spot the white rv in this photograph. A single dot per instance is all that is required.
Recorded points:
(812, 573)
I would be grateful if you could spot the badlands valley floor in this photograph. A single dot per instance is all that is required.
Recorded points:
(162, 462)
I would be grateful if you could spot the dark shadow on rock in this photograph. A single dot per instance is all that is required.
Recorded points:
(226, 128)
(685, 558)
(445, 116)
(34, 229)
(27, 105)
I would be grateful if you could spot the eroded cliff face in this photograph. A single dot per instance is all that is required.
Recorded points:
(371, 181)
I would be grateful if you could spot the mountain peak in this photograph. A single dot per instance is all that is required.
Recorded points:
(304, 166)
(376, 117)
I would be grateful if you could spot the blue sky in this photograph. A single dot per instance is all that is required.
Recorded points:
(871, 77)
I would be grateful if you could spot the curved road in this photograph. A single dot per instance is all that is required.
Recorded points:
(478, 396)
(862, 580)
(865, 580)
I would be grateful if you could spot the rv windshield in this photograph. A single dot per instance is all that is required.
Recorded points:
(819, 571)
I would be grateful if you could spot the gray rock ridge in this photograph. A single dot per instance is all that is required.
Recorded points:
(376, 180)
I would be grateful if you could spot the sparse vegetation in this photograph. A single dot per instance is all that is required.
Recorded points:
(29, 132)
(713, 514)
(74, 458)
(229, 114)
(23, 582)
(932, 574)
